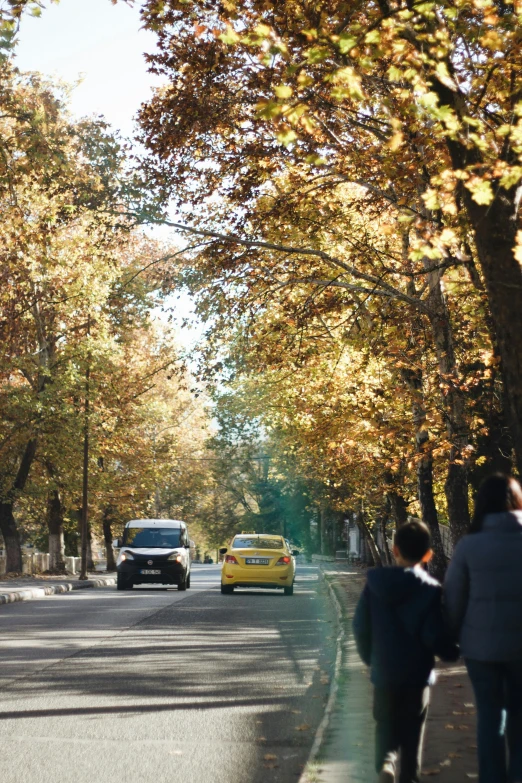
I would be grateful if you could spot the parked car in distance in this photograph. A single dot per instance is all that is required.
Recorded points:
(258, 560)
(154, 551)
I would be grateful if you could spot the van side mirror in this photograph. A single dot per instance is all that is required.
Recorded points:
(223, 550)
(116, 543)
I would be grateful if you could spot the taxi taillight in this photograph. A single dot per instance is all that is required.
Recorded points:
(285, 560)
(230, 559)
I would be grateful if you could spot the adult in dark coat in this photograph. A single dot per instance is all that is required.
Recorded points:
(483, 595)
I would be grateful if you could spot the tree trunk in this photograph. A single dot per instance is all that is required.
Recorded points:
(424, 469)
(55, 512)
(8, 526)
(429, 512)
(90, 561)
(86, 557)
(495, 227)
(495, 236)
(383, 524)
(456, 490)
(334, 527)
(11, 538)
(396, 502)
(323, 533)
(307, 536)
(499, 452)
(55, 526)
(317, 537)
(415, 382)
(456, 485)
(368, 538)
(107, 537)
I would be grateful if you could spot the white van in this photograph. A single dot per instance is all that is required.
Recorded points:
(153, 551)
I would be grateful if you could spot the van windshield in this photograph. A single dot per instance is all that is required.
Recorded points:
(152, 537)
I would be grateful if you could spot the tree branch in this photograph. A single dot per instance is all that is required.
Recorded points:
(382, 288)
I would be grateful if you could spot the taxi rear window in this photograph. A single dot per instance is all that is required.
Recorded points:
(257, 543)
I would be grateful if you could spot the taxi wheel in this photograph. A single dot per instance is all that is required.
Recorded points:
(227, 589)
(289, 590)
(183, 584)
(188, 581)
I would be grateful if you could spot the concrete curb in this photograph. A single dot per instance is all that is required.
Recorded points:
(308, 773)
(33, 593)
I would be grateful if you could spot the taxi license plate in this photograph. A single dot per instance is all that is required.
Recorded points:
(149, 571)
(257, 561)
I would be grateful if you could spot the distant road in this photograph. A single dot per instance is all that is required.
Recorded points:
(158, 686)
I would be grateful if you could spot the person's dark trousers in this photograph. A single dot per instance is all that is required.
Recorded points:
(400, 715)
(498, 696)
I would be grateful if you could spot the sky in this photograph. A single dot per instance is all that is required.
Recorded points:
(101, 45)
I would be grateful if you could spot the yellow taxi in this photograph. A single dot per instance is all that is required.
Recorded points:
(258, 560)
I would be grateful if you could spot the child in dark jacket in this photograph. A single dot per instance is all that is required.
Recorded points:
(399, 628)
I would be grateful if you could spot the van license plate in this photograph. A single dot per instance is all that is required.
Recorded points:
(256, 561)
(148, 571)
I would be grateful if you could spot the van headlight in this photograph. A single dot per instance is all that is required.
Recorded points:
(126, 556)
(175, 557)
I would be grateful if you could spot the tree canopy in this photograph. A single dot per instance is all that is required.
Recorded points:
(348, 176)
(356, 163)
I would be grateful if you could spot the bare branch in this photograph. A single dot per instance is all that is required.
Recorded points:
(382, 288)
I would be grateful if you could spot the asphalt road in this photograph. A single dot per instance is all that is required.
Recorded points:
(153, 685)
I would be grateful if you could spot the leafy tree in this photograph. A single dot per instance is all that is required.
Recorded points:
(78, 291)
(418, 103)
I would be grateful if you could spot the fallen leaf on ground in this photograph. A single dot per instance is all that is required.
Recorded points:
(269, 757)
(454, 755)
(429, 772)
(302, 727)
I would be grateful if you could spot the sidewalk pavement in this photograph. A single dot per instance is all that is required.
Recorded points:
(30, 588)
(346, 754)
